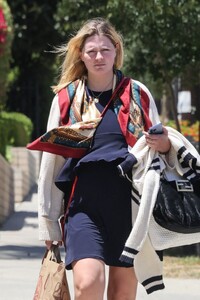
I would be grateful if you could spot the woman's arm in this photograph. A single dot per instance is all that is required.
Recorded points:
(49, 196)
(158, 142)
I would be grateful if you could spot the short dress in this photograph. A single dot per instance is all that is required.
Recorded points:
(99, 219)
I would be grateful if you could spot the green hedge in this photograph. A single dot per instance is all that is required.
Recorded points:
(15, 130)
(5, 54)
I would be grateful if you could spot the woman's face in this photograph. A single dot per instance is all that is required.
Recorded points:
(98, 54)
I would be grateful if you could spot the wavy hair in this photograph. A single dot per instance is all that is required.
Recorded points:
(73, 67)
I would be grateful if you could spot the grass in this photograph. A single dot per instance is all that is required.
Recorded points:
(181, 267)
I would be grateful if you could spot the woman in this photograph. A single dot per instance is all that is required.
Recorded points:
(99, 218)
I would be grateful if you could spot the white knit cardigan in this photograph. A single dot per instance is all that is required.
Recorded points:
(50, 198)
(147, 236)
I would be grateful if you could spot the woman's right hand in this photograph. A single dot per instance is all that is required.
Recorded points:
(49, 244)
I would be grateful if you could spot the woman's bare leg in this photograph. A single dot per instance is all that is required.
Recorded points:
(89, 279)
(122, 284)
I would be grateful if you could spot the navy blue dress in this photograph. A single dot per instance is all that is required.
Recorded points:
(99, 219)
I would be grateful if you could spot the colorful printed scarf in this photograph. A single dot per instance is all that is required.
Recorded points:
(80, 117)
(131, 106)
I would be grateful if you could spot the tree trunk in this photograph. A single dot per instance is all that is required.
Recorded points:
(198, 249)
(164, 110)
(173, 107)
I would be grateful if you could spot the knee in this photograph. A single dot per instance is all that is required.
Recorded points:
(122, 291)
(85, 283)
(120, 295)
(122, 284)
(88, 285)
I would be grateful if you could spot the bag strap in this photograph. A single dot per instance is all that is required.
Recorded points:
(52, 254)
(63, 219)
(55, 253)
(114, 94)
(102, 114)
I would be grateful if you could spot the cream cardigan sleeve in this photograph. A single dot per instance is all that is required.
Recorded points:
(153, 112)
(154, 117)
(49, 196)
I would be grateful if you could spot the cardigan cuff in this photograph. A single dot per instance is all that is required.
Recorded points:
(128, 255)
(153, 284)
(126, 166)
(49, 230)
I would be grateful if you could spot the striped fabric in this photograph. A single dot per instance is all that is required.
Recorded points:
(153, 284)
(189, 164)
(147, 239)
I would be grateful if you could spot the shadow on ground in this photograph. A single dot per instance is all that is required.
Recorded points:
(21, 252)
(17, 221)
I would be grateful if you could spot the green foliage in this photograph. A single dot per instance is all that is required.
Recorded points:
(163, 37)
(5, 54)
(15, 130)
(33, 70)
(161, 40)
(72, 13)
(161, 43)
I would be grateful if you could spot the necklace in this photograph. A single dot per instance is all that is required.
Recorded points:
(96, 97)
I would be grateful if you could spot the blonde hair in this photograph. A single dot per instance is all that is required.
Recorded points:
(73, 67)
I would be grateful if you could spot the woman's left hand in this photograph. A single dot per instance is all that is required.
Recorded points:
(158, 142)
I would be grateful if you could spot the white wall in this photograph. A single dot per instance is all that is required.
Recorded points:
(17, 178)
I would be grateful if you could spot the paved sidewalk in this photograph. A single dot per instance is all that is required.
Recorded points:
(21, 254)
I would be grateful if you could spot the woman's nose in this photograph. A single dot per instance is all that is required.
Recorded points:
(99, 55)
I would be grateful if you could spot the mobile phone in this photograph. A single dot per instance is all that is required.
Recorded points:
(156, 129)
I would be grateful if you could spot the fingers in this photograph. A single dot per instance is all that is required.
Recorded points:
(165, 131)
(49, 244)
(158, 142)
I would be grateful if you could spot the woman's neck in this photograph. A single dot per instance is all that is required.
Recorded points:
(100, 83)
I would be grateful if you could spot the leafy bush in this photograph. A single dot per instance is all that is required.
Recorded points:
(15, 130)
(5, 53)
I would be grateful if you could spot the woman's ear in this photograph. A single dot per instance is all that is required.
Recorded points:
(116, 48)
(81, 55)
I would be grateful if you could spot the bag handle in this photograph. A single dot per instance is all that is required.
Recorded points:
(52, 254)
(113, 95)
